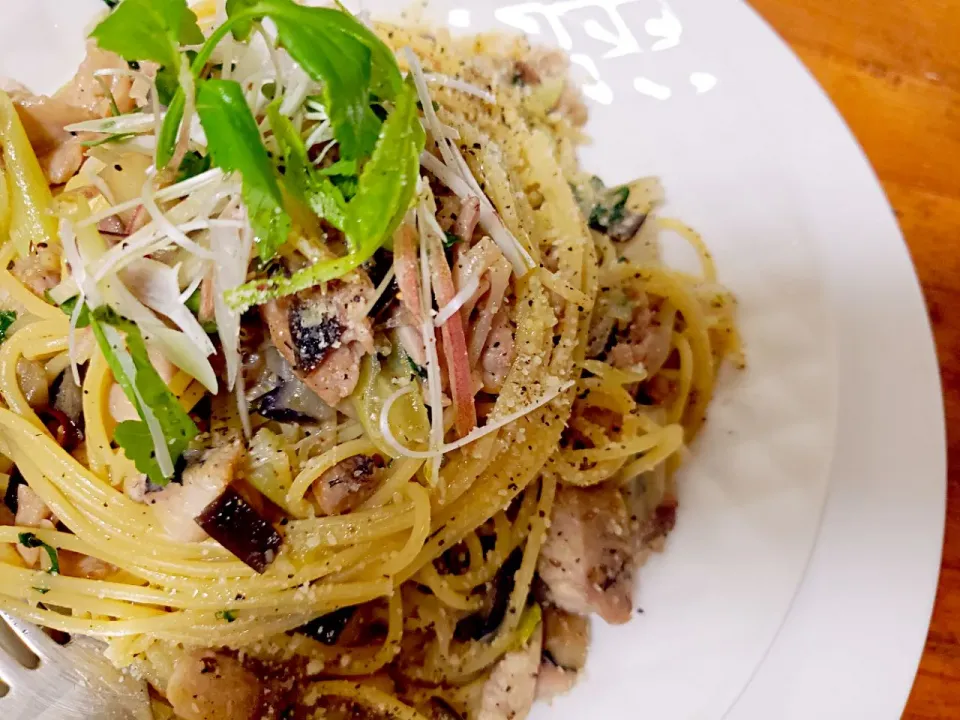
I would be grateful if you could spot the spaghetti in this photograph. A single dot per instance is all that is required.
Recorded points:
(397, 451)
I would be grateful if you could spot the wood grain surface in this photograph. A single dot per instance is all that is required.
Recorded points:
(892, 67)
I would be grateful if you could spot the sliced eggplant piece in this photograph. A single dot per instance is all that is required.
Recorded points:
(13, 488)
(328, 628)
(232, 522)
(488, 619)
(65, 431)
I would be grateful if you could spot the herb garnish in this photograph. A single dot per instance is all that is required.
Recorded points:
(29, 540)
(7, 318)
(148, 393)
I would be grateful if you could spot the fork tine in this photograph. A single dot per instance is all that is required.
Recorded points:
(11, 671)
(32, 636)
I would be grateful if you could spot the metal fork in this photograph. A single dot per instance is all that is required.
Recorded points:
(71, 682)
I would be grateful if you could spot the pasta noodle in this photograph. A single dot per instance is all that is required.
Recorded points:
(385, 548)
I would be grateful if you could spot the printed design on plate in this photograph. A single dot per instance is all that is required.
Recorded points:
(618, 29)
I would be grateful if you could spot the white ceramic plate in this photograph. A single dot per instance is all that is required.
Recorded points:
(702, 94)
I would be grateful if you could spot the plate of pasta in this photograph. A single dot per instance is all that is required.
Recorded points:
(358, 362)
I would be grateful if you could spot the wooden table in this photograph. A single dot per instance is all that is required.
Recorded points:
(892, 67)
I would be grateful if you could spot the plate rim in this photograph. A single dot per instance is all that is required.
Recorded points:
(770, 683)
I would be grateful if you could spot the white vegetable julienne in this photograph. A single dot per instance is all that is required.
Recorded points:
(299, 87)
(163, 222)
(161, 450)
(142, 77)
(78, 272)
(157, 286)
(323, 132)
(461, 85)
(191, 288)
(232, 247)
(143, 242)
(456, 175)
(431, 121)
(171, 192)
(464, 294)
(130, 123)
(489, 219)
(78, 269)
(381, 289)
(175, 345)
(65, 290)
(470, 437)
(274, 60)
(459, 300)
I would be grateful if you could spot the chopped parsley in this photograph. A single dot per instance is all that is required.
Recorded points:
(148, 393)
(7, 318)
(29, 540)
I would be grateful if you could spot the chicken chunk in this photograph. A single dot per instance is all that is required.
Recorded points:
(643, 341)
(566, 637)
(206, 685)
(86, 97)
(565, 640)
(74, 564)
(345, 486)
(31, 512)
(202, 482)
(497, 357)
(588, 559)
(97, 93)
(32, 379)
(39, 271)
(60, 152)
(323, 334)
(509, 692)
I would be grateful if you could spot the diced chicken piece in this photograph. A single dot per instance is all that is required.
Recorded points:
(206, 685)
(93, 93)
(497, 356)
(509, 692)
(202, 482)
(553, 680)
(83, 566)
(135, 486)
(643, 342)
(324, 334)
(32, 379)
(565, 640)
(59, 152)
(345, 486)
(409, 335)
(588, 559)
(31, 512)
(86, 97)
(39, 271)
